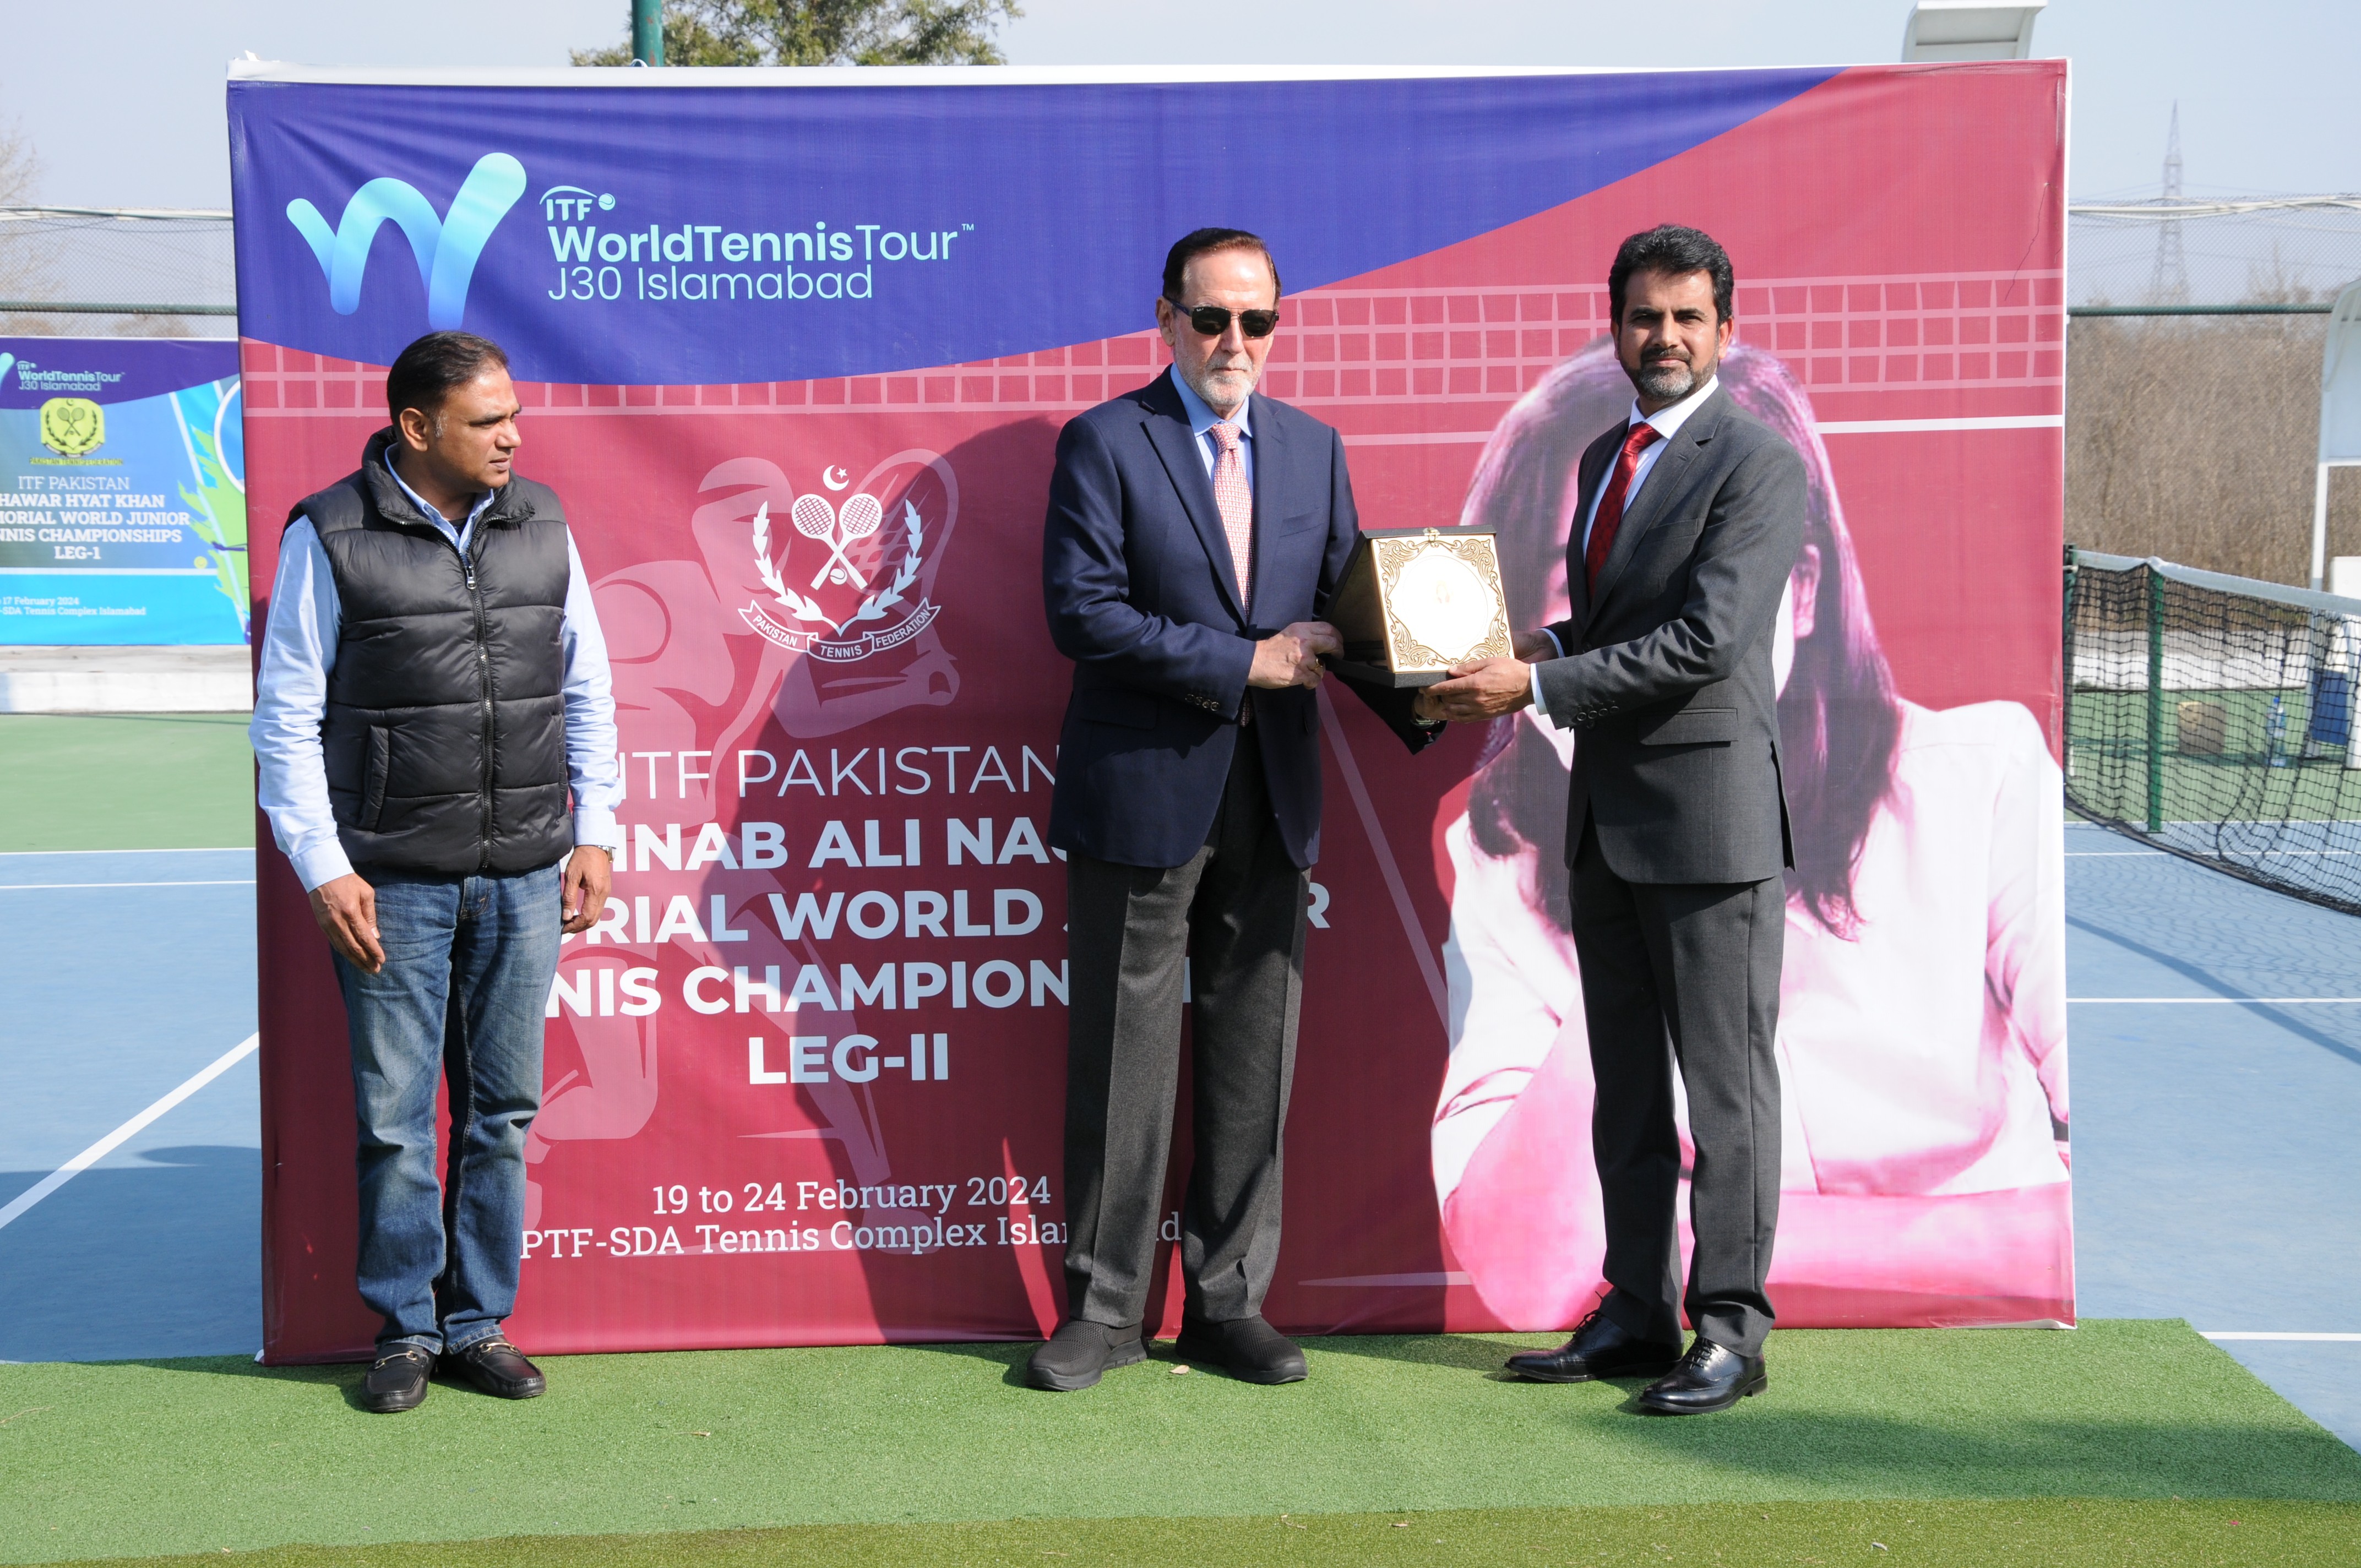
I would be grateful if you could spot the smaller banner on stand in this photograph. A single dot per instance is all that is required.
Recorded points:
(122, 492)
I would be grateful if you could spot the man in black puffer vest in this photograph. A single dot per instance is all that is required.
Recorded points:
(433, 686)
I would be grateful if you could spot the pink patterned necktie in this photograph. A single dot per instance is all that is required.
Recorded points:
(1235, 497)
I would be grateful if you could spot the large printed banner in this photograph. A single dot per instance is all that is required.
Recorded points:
(123, 520)
(796, 347)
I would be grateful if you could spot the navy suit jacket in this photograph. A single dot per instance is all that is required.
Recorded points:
(1141, 593)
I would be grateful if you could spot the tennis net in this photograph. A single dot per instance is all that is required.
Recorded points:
(2213, 716)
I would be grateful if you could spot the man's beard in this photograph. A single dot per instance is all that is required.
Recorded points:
(1670, 379)
(1208, 383)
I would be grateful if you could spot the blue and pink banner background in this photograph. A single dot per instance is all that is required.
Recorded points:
(131, 530)
(796, 346)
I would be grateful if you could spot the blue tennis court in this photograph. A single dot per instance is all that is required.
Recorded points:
(2216, 1055)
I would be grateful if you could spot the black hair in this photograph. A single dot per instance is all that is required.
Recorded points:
(429, 370)
(1669, 248)
(1204, 242)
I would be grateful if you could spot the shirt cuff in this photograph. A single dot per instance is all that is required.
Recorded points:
(597, 827)
(1557, 651)
(323, 863)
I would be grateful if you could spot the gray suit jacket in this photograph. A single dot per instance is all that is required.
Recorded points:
(1667, 671)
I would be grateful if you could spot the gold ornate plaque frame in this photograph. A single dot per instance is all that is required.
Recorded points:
(1382, 635)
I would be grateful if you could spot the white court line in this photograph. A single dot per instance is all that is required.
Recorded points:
(225, 850)
(2115, 854)
(1391, 872)
(53, 887)
(2220, 1001)
(115, 1139)
(1826, 427)
(1972, 422)
(2308, 1339)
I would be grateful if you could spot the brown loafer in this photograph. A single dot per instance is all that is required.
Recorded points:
(499, 1368)
(397, 1380)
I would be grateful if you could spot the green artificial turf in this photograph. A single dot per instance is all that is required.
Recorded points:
(130, 1458)
(157, 781)
(2093, 1533)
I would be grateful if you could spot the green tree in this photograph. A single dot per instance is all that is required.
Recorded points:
(824, 32)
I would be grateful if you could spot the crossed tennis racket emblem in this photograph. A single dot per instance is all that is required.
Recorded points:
(815, 519)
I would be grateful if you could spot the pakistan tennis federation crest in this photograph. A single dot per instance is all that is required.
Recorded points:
(72, 427)
(882, 614)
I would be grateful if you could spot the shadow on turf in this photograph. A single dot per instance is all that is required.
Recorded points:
(344, 1379)
(1013, 1355)
(1487, 1355)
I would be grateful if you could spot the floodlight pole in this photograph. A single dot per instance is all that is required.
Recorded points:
(647, 32)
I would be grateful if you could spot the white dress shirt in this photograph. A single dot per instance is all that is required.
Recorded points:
(291, 699)
(1668, 421)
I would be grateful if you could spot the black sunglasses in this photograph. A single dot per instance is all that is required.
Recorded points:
(1211, 320)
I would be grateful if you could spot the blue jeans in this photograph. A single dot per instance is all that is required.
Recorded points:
(468, 964)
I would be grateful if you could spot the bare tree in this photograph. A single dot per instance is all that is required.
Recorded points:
(2195, 440)
(824, 32)
(25, 254)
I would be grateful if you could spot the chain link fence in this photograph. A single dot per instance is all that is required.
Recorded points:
(80, 272)
(2251, 250)
(2192, 436)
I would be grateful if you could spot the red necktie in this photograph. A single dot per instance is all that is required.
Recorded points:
(1610, 502)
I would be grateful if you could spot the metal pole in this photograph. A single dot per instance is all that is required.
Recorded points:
(2154, 701)
(647, 32)
(2066, 686)
(2198, 309)
(95, 308)
(2320, 528)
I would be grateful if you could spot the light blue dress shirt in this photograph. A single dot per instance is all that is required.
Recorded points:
(1202, 421)
(291, 699)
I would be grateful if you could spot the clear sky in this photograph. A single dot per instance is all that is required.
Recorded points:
(123, 102)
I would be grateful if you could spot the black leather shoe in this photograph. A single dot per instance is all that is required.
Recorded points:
(1710, 1378)
(397, 1380)
(1079, 1352)
(499, 1368)
(1249, 1349)
(1599, 1349)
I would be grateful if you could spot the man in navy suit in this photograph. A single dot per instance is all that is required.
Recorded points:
(1196, 531)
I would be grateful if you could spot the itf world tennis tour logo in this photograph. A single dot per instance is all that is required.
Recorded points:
(446, 246)
(858, 598)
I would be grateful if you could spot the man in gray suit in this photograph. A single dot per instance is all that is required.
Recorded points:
(1684, 527)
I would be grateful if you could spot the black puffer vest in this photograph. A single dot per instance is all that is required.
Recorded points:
(446, 727)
